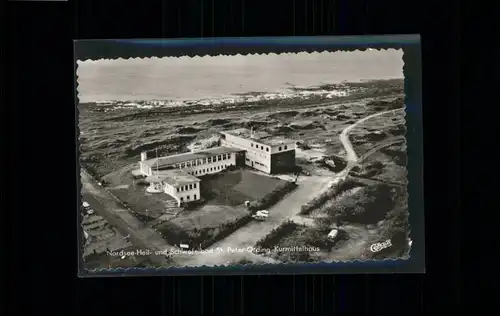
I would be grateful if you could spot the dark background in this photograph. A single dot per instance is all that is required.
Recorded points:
(38, 120)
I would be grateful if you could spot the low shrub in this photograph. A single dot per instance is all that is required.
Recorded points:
(92, 171)
(232, 168)
(142, 182)
(194, 204)
(367, 206)
(315, 203)
(276, 234)
(273, 197)
(143, 218)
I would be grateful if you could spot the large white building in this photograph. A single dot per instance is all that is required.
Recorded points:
(177, 175)
(263, 151)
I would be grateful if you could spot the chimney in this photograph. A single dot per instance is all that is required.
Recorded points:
(144, 156)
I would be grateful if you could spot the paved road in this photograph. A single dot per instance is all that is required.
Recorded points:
(141, 236)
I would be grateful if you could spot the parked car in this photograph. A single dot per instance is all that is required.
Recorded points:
(336, 235)
(86, 207)
(261, 215)
(333, 234)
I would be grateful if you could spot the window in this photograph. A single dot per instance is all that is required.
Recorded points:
(204, 160)
(279, 148)
(267, 148)
(182, 189)
(224, 157)
(262, 147)
(286, 147)
(194, 186)
(178, 190)
(194, 198)
(182, 199)
(228, 156)
(190, 186)
(188, 164)
(187, 197)
(251, 144)
(209, 159)
(182, 165)
(219, 157)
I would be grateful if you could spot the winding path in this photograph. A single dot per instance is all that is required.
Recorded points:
(344, 136)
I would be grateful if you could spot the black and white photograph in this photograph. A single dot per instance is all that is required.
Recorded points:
(243, 159)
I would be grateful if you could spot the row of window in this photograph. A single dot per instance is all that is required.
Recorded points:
(259, 146)
(267, 148)
(186, 187)
(204, 171)
(188, 198)
(203, 161)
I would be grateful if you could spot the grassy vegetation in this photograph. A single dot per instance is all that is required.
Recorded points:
(387, 105)
(290, 235)
(204, 227)
(236, 187)
(397, 154)
(273, 197)
(366, 205)
(329, 195)
(276, 234)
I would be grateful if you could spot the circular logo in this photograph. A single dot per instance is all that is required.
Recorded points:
(376, 247)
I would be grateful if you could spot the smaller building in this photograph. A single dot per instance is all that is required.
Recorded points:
(263, 151)
(178, 184)
(176, 175)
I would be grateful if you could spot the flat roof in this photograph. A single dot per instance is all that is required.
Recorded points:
(180, 158)
(173, 177)
(259, 137)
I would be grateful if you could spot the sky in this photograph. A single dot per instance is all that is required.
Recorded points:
(187, 78)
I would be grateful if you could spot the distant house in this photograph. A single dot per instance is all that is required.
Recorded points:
(176, 175)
